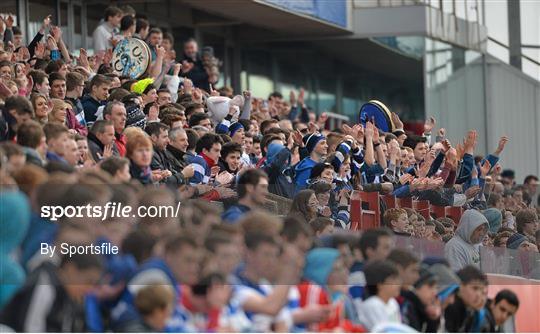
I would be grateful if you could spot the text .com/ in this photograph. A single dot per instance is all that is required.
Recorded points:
(110, 210)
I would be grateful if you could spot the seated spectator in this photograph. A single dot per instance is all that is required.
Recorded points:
(101, 140)
(230, 158)
(208, 151)
(466, 314)
(527, 222)
(16, 111)
(118, 168)
(463, 248)
(60, 302)
(41, 106)
(252, 190)
(396, 220)
(116, 112)
(322, 226)
(383, 286)
(155, 303)
(503, 307)
(139, 152)
(304, 205)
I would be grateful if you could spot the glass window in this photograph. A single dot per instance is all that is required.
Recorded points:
(327, 101)
(260, 85)
(498, 51)
(497, 20)
(530, 22)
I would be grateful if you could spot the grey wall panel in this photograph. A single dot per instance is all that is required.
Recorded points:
(514, 110)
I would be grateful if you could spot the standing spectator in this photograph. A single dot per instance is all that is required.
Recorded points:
(31, 137)
(252, 190)
(154, 40)
(142, 29)
(41, 106)
(101, 140)
(99, 92)
(106, 31)
(41, 82)
(116, 112)
(16, 111)
(463, 248)
(74, 92)
(192, 65)
(317, 149)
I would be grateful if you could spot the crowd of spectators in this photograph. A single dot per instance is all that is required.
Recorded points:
(74, 132)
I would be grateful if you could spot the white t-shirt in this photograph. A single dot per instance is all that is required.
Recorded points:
(374, 311)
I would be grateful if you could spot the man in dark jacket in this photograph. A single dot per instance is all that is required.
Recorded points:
(500, 309)
(15, 112)
(192, 65)
(52, 298)
(178, 145)
(101, 140)
(163, 160)
(467, 314)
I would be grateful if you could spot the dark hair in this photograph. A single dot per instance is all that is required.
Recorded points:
(413, 140)
(29, 134)
(300, 204)
(193, 138)
(254, 239)
(20, 104)
(113, 164)
(168, 36)
(127, 22)
(249, 177)
(507, 295)
(73, 79)
(319, 168)
(275, 95)
(402, 257)
(38, 76)
(319, 224)
(471, 273)
(265, 124)
(229, 148)
(139, 244)
(370, 239)
(321, 187)
(54, 66)
(202, 287)
(99, 126)
(523, 217)
(293, 227)
(530, 178)
(206, 142)
(112, 11)
(377, 272)
(141, 24)
(155, 30)
(98, 80)
(190, 108)
(16, 30)
(155, 128)
(197, 118)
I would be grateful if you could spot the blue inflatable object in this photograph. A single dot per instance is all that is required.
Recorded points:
(377, 112)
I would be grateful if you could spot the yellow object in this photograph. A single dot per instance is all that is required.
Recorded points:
(139, 86)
